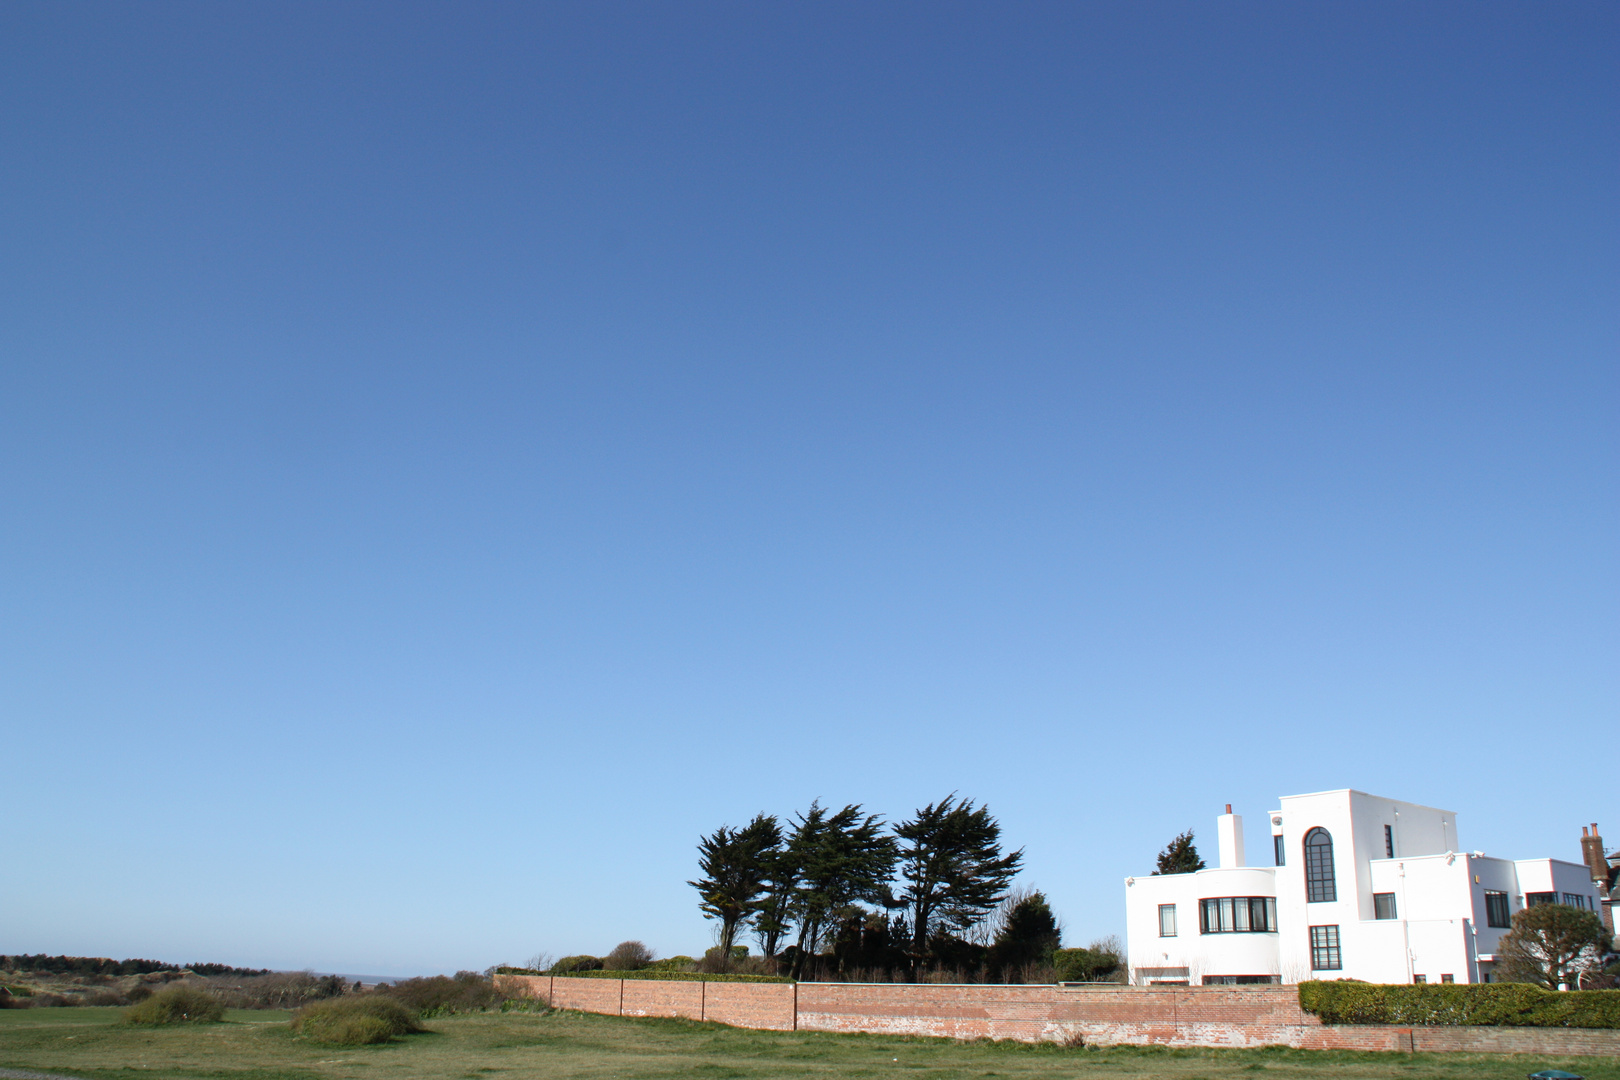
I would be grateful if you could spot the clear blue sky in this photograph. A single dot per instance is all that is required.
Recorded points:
(454, 455)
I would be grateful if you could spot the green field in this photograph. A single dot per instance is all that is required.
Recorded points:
(91, 1043)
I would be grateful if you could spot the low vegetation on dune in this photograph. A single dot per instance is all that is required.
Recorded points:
(361, 1020)
(180, 1004)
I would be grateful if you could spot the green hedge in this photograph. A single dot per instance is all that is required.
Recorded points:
(1487, 1004)
(666, 976)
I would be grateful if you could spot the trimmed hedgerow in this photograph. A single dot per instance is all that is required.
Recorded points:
(647, 973)
(1479, 1004)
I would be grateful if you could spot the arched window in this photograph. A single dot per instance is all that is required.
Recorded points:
(1319, 867)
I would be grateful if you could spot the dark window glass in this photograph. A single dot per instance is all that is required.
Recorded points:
(1575, 899)
(1447, 978)
(1325, 949)
(1496, 909)
(1238, 915)
(1383, 905)
(1277, 854)
(1319, 886)
(1167, 920)
(1532, 899)
(1420, 978)
(1389, 842)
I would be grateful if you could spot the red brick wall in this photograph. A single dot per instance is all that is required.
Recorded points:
(648, 997)
(751, 1005)
(1234, 1016)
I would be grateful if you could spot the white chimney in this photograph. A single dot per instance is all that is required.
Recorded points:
(1229, 827)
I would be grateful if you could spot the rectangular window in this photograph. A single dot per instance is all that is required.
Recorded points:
(1325, 949)
(1389, 841)
(1167, 920)
(1496, 909)
(1277, 849)
(1383, 905)
(1575, 899)
(1532, 899)
(1447, 979)
(1420, 979)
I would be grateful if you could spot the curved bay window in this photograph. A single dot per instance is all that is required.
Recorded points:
(1238, 915)
(1319, 887)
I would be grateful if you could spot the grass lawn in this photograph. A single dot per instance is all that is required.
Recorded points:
(91, 1043)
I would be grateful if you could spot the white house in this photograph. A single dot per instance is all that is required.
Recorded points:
(1359, 887)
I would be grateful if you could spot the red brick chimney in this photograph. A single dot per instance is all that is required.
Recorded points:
(1592, 855)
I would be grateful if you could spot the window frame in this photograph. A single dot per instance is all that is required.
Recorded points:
(1389, 841)
(1497, 901)
(1171, 910)
(1326, 948)
(1279, 848)
(1321, 884)
(1536, 899)
(1237, 915)
(1378, 912)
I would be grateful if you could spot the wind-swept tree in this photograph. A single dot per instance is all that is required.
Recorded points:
(773, 911)
(1179, 856)
(735, 864)
(842, 858)
(953, 869)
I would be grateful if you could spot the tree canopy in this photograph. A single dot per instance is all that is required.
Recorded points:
(736, 864)
(1180, 856)
(829, 878)
(1552, 945)
(953, 868)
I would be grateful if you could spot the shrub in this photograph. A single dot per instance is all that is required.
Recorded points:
(1097, 962)
(139, 993)
(569, 964)
(355, 1021)
(441, 995)
(628, 956)
(179, 1004)
(677, 976)
(1488, 1004)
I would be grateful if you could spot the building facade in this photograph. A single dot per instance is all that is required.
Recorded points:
(1358, 887)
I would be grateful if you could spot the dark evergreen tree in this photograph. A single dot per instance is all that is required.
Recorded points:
(841, 859)
(953, 869)
(735, 864)
(1029, 934)
(1179, 856)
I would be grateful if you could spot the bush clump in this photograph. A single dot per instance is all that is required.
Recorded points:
(355, 1021)
(179, 1004)
(441, 995)
(1478, 1004)
(628, 956)
(570, 964)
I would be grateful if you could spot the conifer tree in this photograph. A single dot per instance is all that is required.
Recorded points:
(1179, 856)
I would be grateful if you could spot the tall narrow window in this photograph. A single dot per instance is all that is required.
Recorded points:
(1277, 845)
(1319, 886)
(1389, 841)
(1383, 905)
(1325, 949)
(1167, 920)
(1496, 909)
